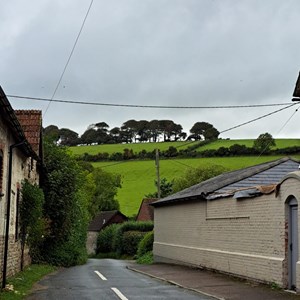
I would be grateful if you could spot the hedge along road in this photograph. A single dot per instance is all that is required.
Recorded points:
(106, 279)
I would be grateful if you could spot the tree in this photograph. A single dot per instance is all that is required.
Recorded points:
(89, 136)
(166, 189)
(65, 209)
(142, 130)
(51, 133)
(154, 130)
(204, 130)
(130, 127)
(105, 191)
(167, 129)
(68, 137)
(102, 126)
(194, 176)
(264, 142)
(115, 134)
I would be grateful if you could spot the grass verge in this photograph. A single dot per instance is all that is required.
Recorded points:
(146, 259)
(23, 281)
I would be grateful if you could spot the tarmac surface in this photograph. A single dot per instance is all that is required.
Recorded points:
(213, 284)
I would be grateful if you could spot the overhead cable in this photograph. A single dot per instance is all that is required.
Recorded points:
(69, 58)
(256, 119)
(146, 106)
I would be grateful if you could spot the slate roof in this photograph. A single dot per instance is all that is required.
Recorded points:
(103, 219)
(262, 174)
(146, 212)
(8, 115)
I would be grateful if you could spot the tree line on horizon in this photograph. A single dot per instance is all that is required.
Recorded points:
(132, 131)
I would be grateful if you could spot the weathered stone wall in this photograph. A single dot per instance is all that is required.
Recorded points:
(22, 168)
(91, 242)
(14, 256)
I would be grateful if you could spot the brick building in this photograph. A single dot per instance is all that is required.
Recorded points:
(243, 223)
(20, 156)
(146, 211)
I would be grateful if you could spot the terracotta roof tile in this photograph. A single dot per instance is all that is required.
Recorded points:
(31, 122)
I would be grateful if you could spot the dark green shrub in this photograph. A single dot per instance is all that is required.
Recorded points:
(105, 240)
(130, 226)
(32, 224)
(146, 244)
(65, 208)
(130, 241)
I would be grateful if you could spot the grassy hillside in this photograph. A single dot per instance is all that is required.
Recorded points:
(280, 143)
(136, 147)
(138, 176)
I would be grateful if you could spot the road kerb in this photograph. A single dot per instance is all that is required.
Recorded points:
(174, 283)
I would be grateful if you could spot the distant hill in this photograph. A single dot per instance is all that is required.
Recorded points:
(138, 177)
(136, 147)
(280, 144)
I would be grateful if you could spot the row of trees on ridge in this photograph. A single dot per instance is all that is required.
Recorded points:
(132, 131)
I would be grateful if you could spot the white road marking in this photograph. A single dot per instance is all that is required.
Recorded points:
(119, 294)
(100, 275)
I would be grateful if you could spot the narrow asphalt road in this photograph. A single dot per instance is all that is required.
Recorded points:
(106, 279)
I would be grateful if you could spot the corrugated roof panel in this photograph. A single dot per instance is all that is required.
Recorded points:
(262, 174)
(270, 176)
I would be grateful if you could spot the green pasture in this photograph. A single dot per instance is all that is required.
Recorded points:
(280, 143)
(138, 176)
(136, 147)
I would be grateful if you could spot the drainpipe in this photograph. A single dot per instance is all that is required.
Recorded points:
(6, 240)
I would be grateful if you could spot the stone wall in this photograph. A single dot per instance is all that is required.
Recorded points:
(91, 242)
(14, 256)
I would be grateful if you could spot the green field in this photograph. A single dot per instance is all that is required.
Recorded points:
(138, 176)
(280, 143)
(136, 147)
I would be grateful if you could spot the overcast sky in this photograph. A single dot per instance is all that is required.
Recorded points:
(154, 52)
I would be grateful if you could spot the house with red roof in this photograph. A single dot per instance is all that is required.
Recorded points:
(102, 220)
(146, 211)
(20, 158)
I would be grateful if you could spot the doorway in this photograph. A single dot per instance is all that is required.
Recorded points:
(293, 243)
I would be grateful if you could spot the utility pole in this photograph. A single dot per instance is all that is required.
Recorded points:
(157, 172)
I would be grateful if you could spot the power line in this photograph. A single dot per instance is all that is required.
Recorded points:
(267, 146)
(256, 119)
(69, 58)
(145, 106)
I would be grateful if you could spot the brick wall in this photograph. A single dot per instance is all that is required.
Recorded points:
(242, 237)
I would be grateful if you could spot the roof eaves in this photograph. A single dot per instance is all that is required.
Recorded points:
(15, 125)
(218, 182)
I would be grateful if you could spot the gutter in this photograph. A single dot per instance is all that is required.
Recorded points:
(6, 240)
